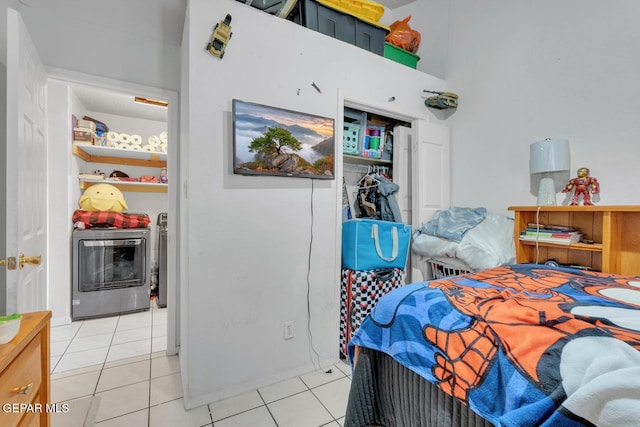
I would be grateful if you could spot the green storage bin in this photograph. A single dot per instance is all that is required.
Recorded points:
(402, 56)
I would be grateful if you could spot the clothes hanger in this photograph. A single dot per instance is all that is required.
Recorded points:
(368, 177)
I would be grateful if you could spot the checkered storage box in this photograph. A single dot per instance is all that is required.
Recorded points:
(359, 293)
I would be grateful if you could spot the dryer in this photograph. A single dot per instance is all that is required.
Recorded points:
(111, 272)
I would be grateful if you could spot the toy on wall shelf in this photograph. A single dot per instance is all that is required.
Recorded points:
(441, 100)
(583, 185)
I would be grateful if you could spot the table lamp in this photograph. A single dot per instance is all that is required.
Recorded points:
(546, 157)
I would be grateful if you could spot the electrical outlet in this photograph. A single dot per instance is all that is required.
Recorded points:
(288, 330)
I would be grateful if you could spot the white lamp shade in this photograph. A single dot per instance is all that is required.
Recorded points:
(550, 155)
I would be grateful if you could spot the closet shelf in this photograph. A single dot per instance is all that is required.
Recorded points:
(99, 154)
(147, 187)
(366, 160)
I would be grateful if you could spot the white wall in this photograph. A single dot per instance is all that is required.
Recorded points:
(526, 71)
(4, 5)
(61, 181)
(431, 19)
(249, 238)
(104, 38)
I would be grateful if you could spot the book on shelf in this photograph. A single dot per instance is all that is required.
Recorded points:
(550, 227)
(548, 233)
(574, 237)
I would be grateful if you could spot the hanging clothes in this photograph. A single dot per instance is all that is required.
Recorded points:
(376, 198)
(368, 202)
(388, 205)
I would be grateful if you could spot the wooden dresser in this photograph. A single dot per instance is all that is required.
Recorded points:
(25, 388)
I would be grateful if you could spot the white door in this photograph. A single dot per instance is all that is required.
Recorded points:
(26, 198)
(430, 173)
(402, 170)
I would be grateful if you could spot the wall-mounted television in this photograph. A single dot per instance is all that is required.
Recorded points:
(275, 141)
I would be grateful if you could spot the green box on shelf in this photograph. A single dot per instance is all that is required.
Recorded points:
(402, 56)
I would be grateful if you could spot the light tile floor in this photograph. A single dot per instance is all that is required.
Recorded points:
(122, 361)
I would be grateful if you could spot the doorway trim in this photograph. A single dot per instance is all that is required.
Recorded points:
(173, 157)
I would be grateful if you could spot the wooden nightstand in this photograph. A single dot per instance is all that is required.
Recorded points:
(615, 231)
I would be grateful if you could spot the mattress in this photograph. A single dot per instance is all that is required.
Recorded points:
(385, 393)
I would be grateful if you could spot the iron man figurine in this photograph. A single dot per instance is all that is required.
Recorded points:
(581, 186)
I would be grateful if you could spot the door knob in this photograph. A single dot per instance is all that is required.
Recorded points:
(33, 260)
(10, 262)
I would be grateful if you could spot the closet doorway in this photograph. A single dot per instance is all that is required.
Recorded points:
(419, 162)
(112, 102)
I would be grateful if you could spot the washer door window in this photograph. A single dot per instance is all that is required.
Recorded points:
(109, 264)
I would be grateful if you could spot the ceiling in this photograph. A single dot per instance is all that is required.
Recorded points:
(158, 20)
(117, 103)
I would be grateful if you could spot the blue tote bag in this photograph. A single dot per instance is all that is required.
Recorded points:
(369, 244)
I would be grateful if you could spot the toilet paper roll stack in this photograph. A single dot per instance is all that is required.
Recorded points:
(124, 141)
(164, 140)
(156, 143)
(113, 139)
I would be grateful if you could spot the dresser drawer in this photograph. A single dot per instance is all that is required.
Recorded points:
(20, 384)
(30, 419)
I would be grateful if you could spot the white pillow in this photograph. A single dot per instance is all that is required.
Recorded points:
(489, 244)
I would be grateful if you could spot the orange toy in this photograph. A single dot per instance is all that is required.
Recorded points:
(403, 36)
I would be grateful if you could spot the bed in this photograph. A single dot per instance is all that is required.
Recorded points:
(468, 239)
(518, 345)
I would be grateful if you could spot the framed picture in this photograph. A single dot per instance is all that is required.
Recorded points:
(275, 141)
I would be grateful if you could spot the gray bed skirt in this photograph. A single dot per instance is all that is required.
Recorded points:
(385, 393)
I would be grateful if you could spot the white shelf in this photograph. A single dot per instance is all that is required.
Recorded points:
(100, 154)
(152, 187)
(366, 160)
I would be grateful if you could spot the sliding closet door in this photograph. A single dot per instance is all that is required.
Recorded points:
(430, 173)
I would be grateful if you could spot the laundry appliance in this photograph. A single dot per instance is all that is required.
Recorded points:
(111, 272)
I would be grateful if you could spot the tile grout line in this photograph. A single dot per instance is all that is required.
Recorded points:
(124, 364)
(106, 357)
(150, 369)
(266, 406)
(75, 334)
(320, 401)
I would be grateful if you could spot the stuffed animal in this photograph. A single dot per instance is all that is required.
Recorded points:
(102, 197)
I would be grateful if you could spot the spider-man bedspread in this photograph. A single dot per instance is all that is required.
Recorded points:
(523, 345)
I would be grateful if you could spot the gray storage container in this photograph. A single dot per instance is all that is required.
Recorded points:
(340, 25)
(280, 8)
